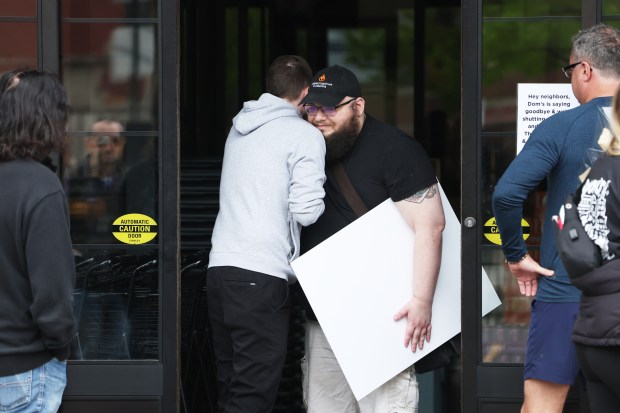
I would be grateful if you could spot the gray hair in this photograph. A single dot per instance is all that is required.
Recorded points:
(599, 45)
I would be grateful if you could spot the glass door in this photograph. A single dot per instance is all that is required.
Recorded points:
(119, 172)
(505, 44)
(406, 55)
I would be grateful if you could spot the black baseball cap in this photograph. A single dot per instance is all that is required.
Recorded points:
(332, 84)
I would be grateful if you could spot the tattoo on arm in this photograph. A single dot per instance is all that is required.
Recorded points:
(423, 194)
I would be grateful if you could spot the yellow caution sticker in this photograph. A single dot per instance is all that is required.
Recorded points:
(134, 229)
(491, 232)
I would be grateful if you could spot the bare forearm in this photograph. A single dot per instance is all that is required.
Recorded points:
(426, 261)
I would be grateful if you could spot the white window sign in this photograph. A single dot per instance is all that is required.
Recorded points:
(536, 102)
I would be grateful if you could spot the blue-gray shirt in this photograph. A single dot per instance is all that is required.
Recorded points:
(559, 150)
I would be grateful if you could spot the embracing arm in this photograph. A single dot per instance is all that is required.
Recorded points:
(307, 178)
(423, 212)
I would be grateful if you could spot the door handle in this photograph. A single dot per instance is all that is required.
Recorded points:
(469, 222)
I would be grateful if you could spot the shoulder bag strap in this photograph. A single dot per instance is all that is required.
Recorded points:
(348, 191)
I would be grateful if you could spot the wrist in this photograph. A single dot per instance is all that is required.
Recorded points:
(422, 300)
(518, 260)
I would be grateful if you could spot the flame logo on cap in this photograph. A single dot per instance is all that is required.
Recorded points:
(322, 78)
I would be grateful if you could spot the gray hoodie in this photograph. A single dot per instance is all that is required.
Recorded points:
(272, 184)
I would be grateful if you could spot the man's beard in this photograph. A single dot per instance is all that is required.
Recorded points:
(341, 142)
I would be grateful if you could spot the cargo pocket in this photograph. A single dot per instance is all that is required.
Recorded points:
(15, 391)
(403, 393)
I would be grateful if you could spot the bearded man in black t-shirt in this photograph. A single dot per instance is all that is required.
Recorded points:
(382, 162)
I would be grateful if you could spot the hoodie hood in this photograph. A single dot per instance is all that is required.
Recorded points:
(256, 113)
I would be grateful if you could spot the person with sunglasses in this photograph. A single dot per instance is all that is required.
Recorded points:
(555, 152)
(382, 162)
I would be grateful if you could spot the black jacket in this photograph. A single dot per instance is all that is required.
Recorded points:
(598, 323)
(37, 268)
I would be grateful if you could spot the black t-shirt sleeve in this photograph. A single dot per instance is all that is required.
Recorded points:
(408, 169)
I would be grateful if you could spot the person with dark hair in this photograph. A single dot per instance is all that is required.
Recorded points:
(556, 152)
(38, 270)
(271, 185)
(381, 162)
(6, 78)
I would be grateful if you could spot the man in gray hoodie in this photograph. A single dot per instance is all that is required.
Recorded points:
(271, 185)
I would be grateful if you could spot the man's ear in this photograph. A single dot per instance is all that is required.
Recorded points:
(302, 95)
(359, 105)
(586, 71)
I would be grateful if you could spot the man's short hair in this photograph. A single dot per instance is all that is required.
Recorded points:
(599, 45)
(287, 76)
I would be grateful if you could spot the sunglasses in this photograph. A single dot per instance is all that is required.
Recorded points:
(568, 69)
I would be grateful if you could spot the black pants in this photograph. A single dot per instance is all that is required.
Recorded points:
(601, 368)
(249, 317)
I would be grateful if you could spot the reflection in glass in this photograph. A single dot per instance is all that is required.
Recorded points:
(405, 73)
(107, 175)
(531, 8)
(497, 153)
(362, 51)
(22, 8)
(108, 8)
(116, 305)
(520, 52)
(232, 92)
(611, 8)
(18, 54)
(104, 153)
(505, 329)
(442, 106)
(110, 71)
